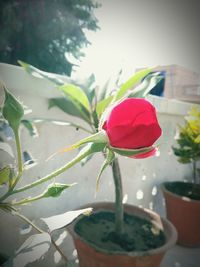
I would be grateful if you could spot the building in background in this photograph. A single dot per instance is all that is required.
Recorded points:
(178, 83)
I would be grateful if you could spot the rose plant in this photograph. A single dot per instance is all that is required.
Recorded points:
(120, 122)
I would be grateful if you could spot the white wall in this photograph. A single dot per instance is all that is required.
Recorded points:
(139, 176)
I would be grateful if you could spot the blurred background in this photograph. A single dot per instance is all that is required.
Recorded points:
(83, 37)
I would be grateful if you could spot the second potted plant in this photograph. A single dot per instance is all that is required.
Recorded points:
(183, 198)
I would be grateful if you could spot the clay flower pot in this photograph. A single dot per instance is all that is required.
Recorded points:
(92, 256)
(184, 213)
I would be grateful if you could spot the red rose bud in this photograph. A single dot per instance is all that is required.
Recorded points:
(132, 124)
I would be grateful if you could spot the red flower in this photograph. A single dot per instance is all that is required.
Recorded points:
(146, 154)
(132, 124)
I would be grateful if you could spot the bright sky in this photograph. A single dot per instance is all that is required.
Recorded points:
(142, 33)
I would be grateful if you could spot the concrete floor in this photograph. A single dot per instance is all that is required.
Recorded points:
(182, 257)
(176, 257)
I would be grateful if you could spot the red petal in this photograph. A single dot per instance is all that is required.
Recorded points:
(146, 154)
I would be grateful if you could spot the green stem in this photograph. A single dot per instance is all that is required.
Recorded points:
(51, 175)
(119, 209)
(7, 194)
(59, 250)
(27, 200)
(29, 222)
(20, 165)
(19, 151)
(19, 158)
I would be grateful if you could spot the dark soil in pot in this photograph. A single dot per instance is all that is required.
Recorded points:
(189, 190)
(139, 235)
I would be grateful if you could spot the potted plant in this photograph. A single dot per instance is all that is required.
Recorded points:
(121, 122)
(12, 118)
(183, 198)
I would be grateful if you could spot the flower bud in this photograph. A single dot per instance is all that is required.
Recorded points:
(12, 110)
(55, 190)
(132, 124)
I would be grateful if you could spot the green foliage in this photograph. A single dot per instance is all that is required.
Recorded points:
(12, 110)
(45, 33)
(84, 102)
(67, 106)
(55, 189)
(131, 83)
(188, 141)
(89, 102)
(5, 175)
(78, 98)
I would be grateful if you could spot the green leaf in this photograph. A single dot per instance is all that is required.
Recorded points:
(40, 74)
(68, 107)
(88, 87)
(146, 86)
(55, 189)
(76, 95)
(12, 110)
(95, 119)
(30, 126)
(5, 174)
(109, 159)
(184, 160)
(73, 96)
(131, 83)
(132, 152)
(197, 140)
(103, 104)
(109, 87)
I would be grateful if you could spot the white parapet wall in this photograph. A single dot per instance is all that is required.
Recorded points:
(141, 178)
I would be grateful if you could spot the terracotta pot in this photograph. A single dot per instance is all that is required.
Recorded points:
(95, 257)
(184, 213)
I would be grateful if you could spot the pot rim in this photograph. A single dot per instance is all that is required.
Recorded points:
(165, 190)
(168, 228)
